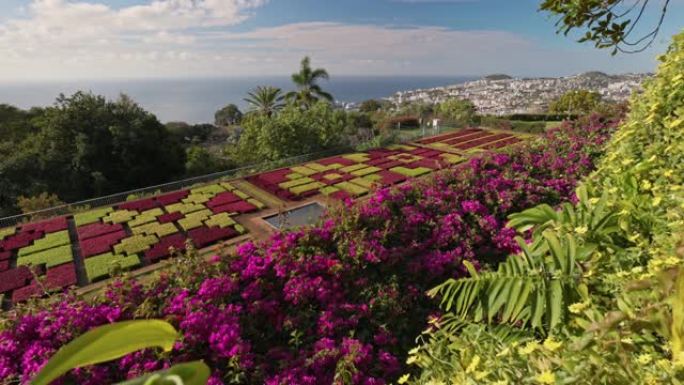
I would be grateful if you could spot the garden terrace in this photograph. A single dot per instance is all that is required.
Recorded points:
(90, 246)
(353, 175)
(472, 139)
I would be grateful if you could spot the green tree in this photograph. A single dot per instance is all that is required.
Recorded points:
(608, 23)
(459, 112)
(85, 146)
(370, 105)
(228, 116)
(265, 100)
(200, 161)
(576, 102)
(38, 202)
(293, 131)
(308, 91)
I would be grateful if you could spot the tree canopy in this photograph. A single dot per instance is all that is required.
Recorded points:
(576, 102)
(85, 146)
(609, 24)
(228, 116)
(293, 131)
(308, 90)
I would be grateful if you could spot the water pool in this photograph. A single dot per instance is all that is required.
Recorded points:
(301, 216)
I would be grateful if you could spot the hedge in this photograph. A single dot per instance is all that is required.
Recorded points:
(51, 257)
(100, 266)
(91, 216)
(7, 232)
(135, 244)
(50, 241)
(120, 216)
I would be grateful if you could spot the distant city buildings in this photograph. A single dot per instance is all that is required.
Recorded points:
(527, 95)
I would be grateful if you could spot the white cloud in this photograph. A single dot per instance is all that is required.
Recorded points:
(185, 38)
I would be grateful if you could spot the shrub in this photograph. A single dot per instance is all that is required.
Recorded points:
(39, 202)
(135, 244)
(91, 216)
(50, 241)
(101, 244)
(50, 257)
(97, 229)
(101, 266)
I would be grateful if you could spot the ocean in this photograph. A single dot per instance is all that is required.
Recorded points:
(196, 100)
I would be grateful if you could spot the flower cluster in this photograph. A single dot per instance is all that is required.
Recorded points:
(340, 302)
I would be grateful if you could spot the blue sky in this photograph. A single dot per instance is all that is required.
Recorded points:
(184, 38)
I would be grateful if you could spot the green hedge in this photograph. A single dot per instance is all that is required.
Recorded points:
(101, 266)
(135, 244)
(91, 216)
(51, 257)
(50, 241)
(514, 125)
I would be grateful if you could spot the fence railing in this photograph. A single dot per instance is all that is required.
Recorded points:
(109, 200)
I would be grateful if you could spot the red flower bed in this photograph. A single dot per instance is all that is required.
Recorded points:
(19, 240)
(390, 177)
(4, 265)
(223, 198)
(97, 229)
(501, 143)
(479, 142)
(5, 255)
(442, 138)
(49, 226)
(170, 217)
(58, 277)
(205, 236)
(172, 197)
(241, 207)
(102, 244)
(61, 276)
(467, 138)
(336, 159)
(14, 278)
(161, 250)
(139, 205)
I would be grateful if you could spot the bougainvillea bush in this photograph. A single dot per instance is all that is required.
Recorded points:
(338, 303)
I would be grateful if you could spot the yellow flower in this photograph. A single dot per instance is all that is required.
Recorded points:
(473, 364)
(411, 360)
(668, 173)
(503, 352)
(594, 200)
(579, 307)
(435, 382)
(645, 359)
(403, 379)
(581, 230)
(529, 348)
(627, 340)
(500, 382)
(552, 344)
(546, 377)
(480, 375)
(657, 200)
(646, 185)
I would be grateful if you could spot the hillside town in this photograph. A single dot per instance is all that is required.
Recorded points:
(503, 95)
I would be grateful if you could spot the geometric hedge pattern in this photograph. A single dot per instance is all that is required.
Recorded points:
(353, 175)
(38, 257)
(471, 139)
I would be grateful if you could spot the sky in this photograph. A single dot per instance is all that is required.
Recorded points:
(111, 39)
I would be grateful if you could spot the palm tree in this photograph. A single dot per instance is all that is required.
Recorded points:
(265, 100)
(308, 90)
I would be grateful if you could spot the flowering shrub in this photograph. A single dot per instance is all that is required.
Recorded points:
(338, 303)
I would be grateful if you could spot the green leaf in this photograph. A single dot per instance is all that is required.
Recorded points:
(107, 343)
(191, 373)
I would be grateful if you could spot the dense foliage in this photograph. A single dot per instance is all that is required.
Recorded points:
(292, 131)
(339, 303)
(82, 147)
(576, 102)
(604, 274)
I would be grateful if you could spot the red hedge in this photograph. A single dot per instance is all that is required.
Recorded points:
(14, 278)
(97, 229)
(139, 205)
(241, 207)
(172, 197)
(49, 226)
(102, 244)
(161, 250)
(170, 217)
(204, 236)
